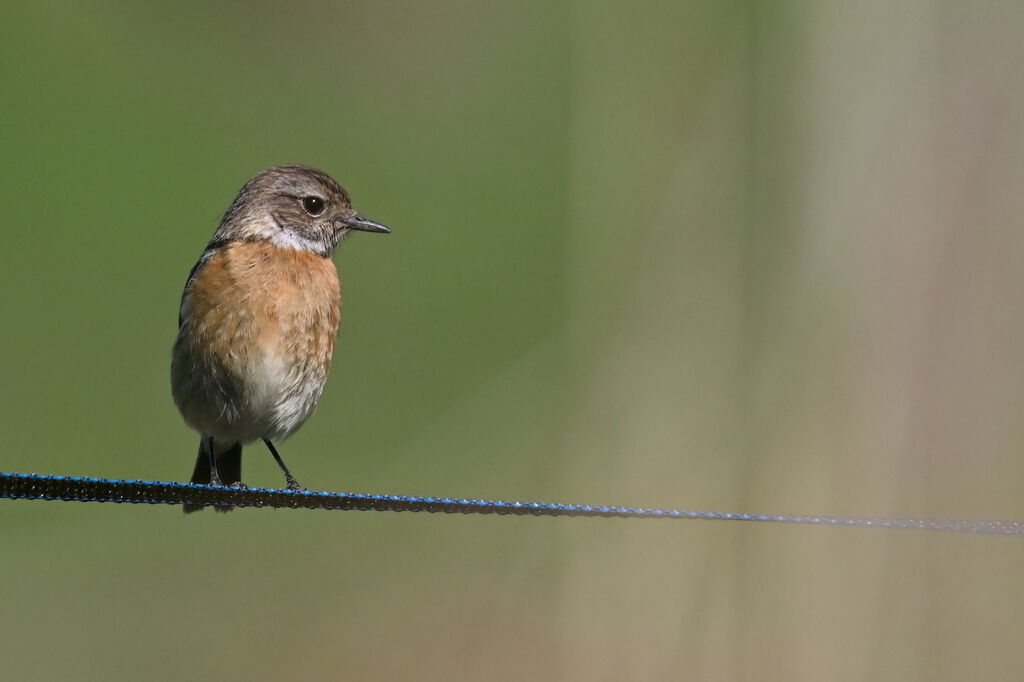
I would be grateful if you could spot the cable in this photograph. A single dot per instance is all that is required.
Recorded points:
(86, 489)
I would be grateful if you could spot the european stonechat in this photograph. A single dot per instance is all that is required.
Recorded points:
(259, 316)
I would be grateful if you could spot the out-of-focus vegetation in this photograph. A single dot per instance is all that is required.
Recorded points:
(736, 256)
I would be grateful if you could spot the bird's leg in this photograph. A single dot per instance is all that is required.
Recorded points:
(214, 476)
(292, 483)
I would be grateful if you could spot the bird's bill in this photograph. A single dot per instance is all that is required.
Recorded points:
(358, 222)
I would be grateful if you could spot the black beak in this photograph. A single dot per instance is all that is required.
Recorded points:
(358, 222)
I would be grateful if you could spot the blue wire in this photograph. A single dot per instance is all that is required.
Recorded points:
(87, 489)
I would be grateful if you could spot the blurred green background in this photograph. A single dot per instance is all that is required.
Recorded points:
(727, 255)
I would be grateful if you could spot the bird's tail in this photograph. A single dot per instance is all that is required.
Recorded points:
(229, 468)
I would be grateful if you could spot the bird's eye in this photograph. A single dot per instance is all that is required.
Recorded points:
(314, 205)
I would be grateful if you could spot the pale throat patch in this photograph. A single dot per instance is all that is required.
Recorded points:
(269, 229)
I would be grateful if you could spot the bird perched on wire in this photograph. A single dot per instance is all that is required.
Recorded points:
(259, 316)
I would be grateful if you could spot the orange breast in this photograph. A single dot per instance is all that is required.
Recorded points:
(255, 347)
(253, 297)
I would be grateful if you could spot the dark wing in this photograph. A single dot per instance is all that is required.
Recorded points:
(211, 249)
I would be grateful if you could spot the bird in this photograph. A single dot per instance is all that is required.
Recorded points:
(258, 319)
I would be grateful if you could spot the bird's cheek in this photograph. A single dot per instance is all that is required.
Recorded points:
(338, 232)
